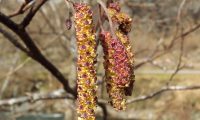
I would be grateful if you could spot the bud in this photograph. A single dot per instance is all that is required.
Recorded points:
(68, 23)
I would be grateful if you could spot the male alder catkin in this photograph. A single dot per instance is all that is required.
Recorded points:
(86, 45)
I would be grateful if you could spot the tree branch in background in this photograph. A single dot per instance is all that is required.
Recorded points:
(31, 14)
(108, 16)
(24, 7)
(34, 51)
(104, 109)
(168, 48)
(11, 71)
(14, 41)
(164, 89)
(57, 94)
(178, 67)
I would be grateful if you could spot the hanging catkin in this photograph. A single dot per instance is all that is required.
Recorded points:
(117, 71)
(125, 41)
(86, 72)
(124, 23)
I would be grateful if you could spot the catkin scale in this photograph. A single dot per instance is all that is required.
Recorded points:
(86, 72)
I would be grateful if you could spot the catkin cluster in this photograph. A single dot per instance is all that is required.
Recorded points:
(118, 58)
(86, 73)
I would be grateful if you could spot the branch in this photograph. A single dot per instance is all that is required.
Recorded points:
(108, 16)
(6, 21)
(164, 89)
(14, 41)
(178, 67)
(178, 18)
(167, 49)
(35, 52)
(24, 7)
(104, 109)
(31, 14)
(57, 94)
(12, 70)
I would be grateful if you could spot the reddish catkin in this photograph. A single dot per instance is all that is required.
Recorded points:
(125, 23)
(86, 72)
(125, 41)
(117, 71)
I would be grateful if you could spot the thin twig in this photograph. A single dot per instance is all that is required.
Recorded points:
(31, 14)
(35, 53)
(167, 49)
(23, 8)
(180, 10)
(108, 16)
(9, 74)
(178, 67)
(164, 89)
(57, 94)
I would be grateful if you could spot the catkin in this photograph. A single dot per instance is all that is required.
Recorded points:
(125, 41)
(117, 71)
(124, 23)
(86, 72)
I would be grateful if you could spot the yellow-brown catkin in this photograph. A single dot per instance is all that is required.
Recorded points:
(86, 72)
(117, 71)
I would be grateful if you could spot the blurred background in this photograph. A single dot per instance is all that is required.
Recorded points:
(165, 37)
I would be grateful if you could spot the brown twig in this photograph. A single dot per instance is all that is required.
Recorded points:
(57, 94)
(24, 7)
(104, 109)
(35, 52)
(178, 67)
(180, 10)
(31, 14)
(108, 16)
(164, 89)
(168, 48)
(7, 77)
